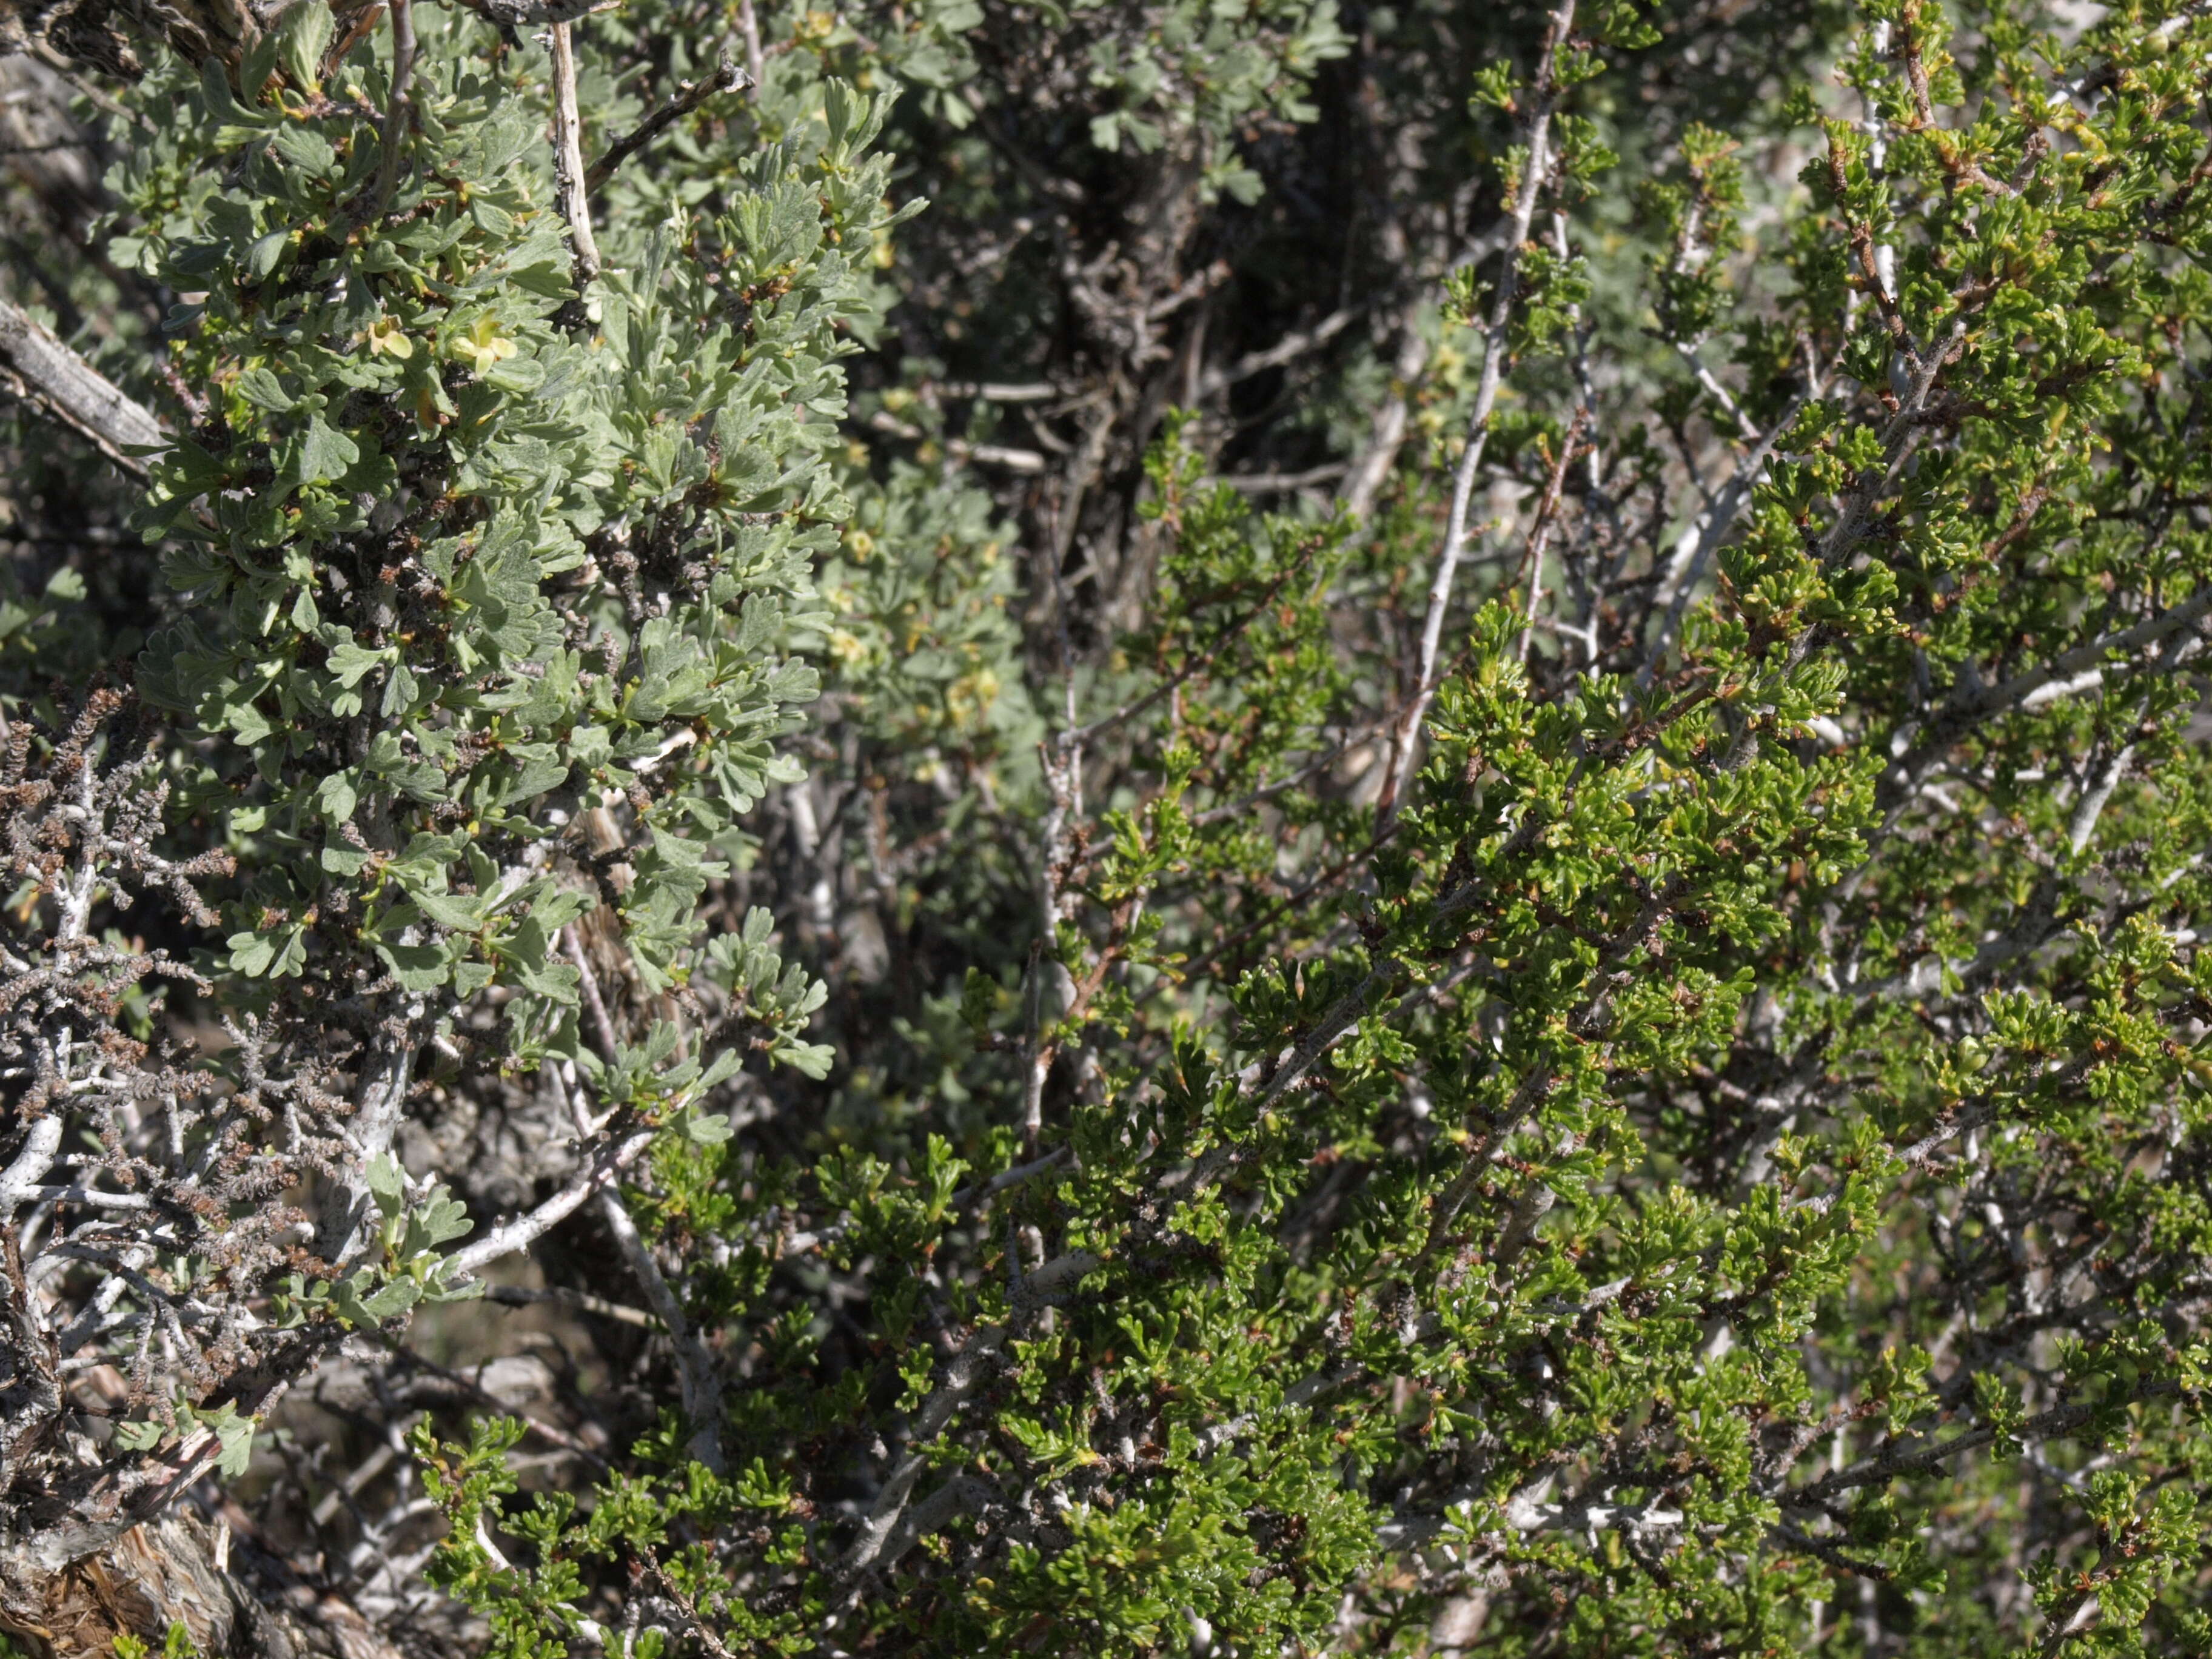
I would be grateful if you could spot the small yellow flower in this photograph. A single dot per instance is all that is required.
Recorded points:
(484, 345)
(386, 335)
(969, 699)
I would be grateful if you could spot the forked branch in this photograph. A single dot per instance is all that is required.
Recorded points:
(43, 372)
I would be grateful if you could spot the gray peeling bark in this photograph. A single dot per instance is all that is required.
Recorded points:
(179, 1569)
(42, 371)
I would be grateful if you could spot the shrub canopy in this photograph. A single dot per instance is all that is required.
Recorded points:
(965, 827)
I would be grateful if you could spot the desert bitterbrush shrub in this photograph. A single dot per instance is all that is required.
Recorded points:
(1396, 850)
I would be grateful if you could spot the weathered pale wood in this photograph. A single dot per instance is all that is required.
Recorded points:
(41, 370)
